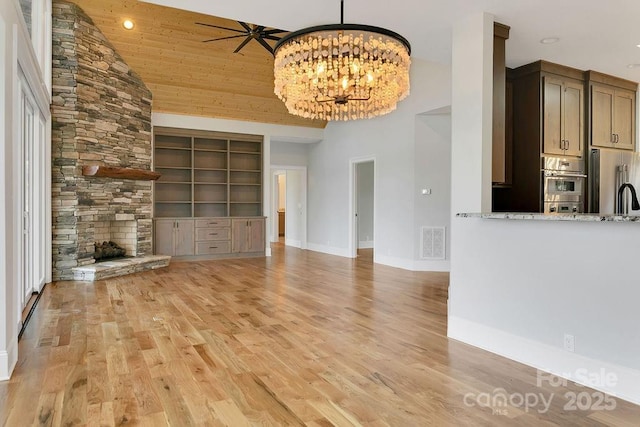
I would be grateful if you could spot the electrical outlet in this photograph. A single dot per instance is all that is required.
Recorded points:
(569, 342)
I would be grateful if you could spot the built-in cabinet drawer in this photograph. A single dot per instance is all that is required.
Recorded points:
(213, 222)
(213, 247)
(213, 234)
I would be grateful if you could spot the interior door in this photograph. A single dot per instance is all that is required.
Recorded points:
(28, 112)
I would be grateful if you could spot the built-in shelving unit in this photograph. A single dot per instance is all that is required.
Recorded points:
(207, 174)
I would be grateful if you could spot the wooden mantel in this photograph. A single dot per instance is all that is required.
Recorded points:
(122, 173)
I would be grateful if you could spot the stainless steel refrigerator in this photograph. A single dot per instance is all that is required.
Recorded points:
(608, 170)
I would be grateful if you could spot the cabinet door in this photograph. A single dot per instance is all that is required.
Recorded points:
(256, 236)
(183, 237)
(552, 137)
(239, 231)
(572, 118)
(602, 116)
(163, 236)
(624, 118)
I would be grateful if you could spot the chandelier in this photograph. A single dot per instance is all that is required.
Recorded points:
(342, 71)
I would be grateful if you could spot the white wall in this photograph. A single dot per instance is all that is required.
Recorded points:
(433, 173)
(472, 114)
(364, 181)
(391, 140)
(16, 50)
(289, 153)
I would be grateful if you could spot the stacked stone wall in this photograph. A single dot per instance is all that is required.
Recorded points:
(101, 114)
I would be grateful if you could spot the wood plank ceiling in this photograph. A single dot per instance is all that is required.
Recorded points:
(187, 76)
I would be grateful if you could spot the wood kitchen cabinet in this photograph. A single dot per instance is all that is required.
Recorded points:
(548, 118)
(247, 235)
(174, 237)
(563, 120)
(613, 112)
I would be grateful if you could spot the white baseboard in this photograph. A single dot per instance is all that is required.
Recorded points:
(8, 360)
(331, 250)
(405, 264)
(428, 265)
(412, 265)
(365, 244)
(292, 242)
(267, 251)
(547, 358)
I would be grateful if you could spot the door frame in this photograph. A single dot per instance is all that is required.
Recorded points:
(273, 229)
(353, 200)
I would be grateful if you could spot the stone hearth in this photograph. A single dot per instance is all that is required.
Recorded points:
(120, 267)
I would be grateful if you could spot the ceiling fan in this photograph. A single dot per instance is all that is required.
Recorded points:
(259, 33)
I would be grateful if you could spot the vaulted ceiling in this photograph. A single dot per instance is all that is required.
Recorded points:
(593, 34)
(187, 76)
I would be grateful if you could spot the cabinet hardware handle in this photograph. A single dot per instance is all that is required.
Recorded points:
(617, 138)
(566, 147)
(213, 234)
(213, 247)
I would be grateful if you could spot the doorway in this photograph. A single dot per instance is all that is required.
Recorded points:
(362, 207)
(289, 206)
(32, 200)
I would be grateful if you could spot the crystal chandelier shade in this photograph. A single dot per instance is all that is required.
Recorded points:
(342, 71)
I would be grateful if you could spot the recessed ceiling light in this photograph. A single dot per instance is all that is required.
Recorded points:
(128, 24)
(549, 40)
(638, 45)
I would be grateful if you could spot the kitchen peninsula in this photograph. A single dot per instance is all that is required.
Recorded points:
(528, 282)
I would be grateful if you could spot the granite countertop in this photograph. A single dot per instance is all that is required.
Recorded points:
(585, 217)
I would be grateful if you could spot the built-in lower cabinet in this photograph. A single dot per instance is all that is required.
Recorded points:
(248, 235)
(174, 237)
(214, 237)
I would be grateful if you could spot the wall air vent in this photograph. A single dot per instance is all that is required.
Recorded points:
(432, 243)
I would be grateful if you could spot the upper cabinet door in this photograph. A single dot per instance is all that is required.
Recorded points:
(602, 134)
(624, 111)
(552, 136)
(572, 119)
(563, 117)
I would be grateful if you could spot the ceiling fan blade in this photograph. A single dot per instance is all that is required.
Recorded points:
(270, 37)
(245, 25)
(265, 44)
(223, 38)
(243, 44)
(259, 28)
(274, 31)
(222, 28)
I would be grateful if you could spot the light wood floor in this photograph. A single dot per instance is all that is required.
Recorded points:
(297, 339)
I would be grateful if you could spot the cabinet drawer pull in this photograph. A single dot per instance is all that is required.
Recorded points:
(213, 234)
(213, 247)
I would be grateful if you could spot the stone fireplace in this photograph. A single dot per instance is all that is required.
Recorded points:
(122, 231)
(101, 115)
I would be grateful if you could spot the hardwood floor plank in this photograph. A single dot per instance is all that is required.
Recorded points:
(300, 338)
